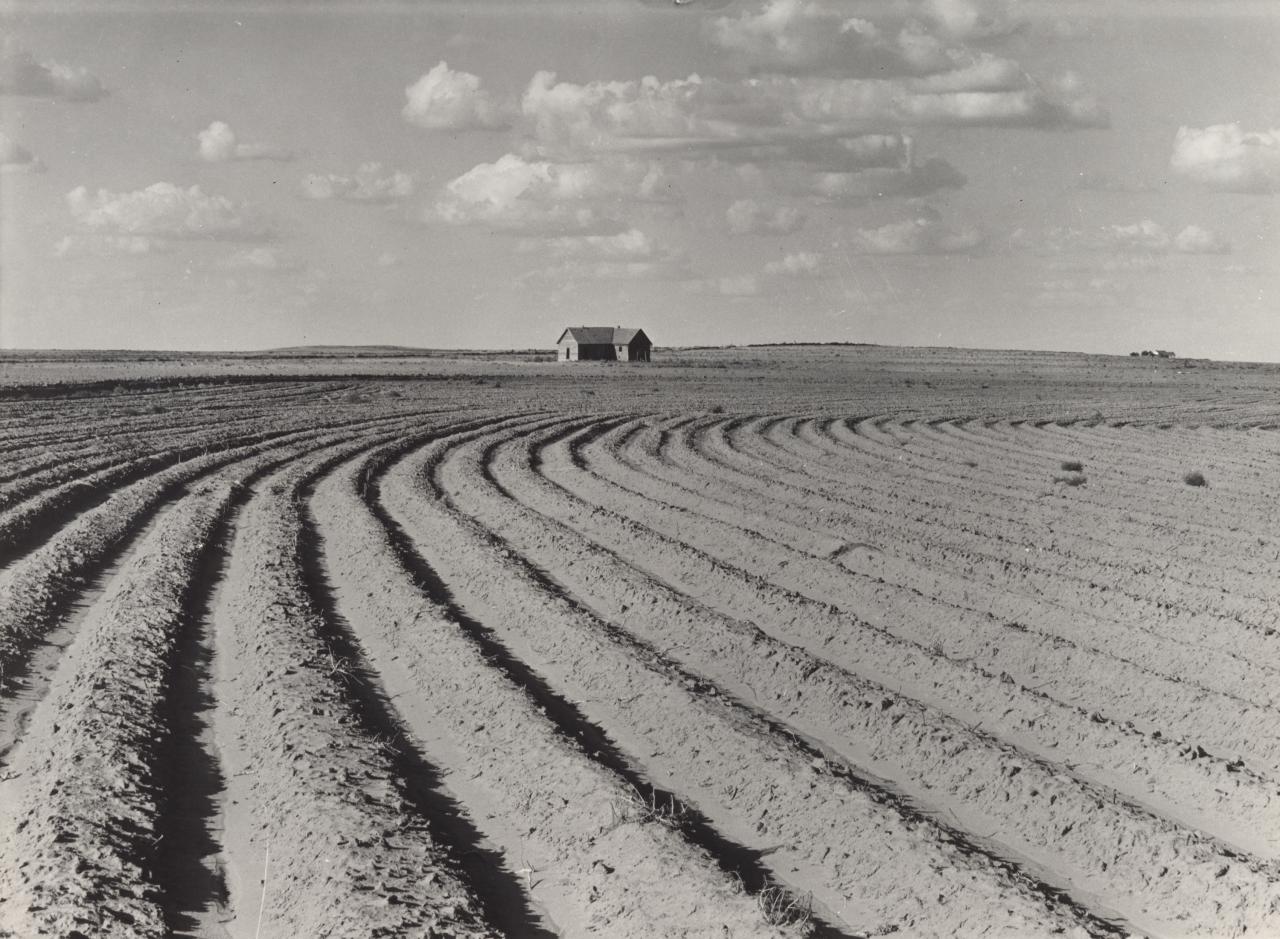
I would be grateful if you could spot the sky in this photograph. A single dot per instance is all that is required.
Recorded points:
(1069, 175)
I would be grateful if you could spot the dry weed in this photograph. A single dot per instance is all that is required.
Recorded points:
(783, 908)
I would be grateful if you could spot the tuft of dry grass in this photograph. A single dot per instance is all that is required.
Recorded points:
(781, 907)
(669, 812)
(1195, 478)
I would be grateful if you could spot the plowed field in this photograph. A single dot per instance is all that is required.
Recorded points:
(752, 643)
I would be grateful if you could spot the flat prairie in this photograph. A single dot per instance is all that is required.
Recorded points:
(841, 641)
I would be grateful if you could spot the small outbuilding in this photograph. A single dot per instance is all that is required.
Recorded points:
(603, 343)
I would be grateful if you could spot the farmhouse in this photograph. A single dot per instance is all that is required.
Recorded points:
(607, 343)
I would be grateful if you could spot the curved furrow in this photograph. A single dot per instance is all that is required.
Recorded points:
(535, 778)
(39, 587)
(825, 529)
(1017, 490)
(1095, 842)
(1088, 565)
(1179, 767)
(698, 734)
(74, 488)
(320, 836)
(1112, 686)
(866, 437)
(1079, 566)
(84, 789)
(875, 553)
(1001, 491)
(1147, 502)
(968, 545)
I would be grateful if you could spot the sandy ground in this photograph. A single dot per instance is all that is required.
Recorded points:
(840, 641)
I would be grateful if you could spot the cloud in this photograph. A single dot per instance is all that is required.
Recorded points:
(444, 99)
(262, 259)
(15, 158)
(798, 264)
(923, 235)
(218, 144)
(932, 175)
(1057, 104)
(631, 244)
(77, 246)
(564, 120)
(973, 19)
(371, 183)
(21, 74)
(748, 217)
(626, 255)
(1195, 240)
(984, 72)
(517, 195)
(1143, 237)
(806, 36)
(680, 5)
(163, 210)
(1227, 158)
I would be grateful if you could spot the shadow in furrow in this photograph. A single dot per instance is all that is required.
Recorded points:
(502, 901)
(1096, 923)
(733, 858)
(188, 866)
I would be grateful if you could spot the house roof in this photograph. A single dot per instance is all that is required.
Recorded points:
(601, 335)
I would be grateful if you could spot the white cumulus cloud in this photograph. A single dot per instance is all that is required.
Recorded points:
(219, 144)
(163, 210)
(445, 99)
(534, 196)
(371, 182)
(1228, 158)
(924, 235)
(973, 19)
(803, 36)
(1195, 240)
(565, 120)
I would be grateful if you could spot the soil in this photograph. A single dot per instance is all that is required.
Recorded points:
(830, 641)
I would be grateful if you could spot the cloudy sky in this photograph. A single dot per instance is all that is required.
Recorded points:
(1096, 175)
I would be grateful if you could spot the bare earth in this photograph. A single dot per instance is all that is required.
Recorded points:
(831, 641)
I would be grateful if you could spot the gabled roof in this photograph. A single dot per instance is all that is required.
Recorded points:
(601, 335)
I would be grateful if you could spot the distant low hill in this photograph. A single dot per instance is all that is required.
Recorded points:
(303, 352)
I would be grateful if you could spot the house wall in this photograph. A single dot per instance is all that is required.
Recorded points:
(572, 351)
(596, 351)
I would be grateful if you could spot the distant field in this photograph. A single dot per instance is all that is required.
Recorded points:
(842, 641)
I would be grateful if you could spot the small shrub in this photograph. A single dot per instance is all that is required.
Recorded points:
(1195, 478)
(1072, 466)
